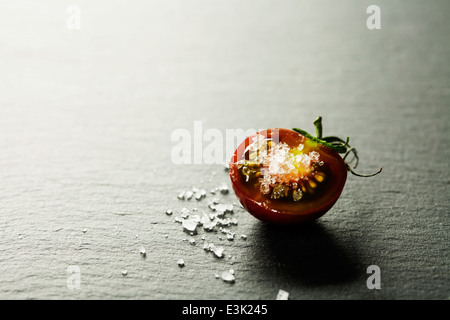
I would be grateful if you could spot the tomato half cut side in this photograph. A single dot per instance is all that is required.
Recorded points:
(283, 177)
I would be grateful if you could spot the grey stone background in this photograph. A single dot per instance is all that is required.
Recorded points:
(86, 118)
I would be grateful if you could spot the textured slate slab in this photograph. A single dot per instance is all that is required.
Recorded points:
(86, 118)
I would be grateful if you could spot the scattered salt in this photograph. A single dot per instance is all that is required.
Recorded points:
(212, 221)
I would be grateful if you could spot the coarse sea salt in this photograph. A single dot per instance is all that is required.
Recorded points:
(190, 225)
(282, 165)
(180, 263)
(228, 276)
(216, 220)
(282, 295)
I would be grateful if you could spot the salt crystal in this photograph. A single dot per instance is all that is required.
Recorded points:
(188, 195)
(189, 225)
(198, 196)
(124, 272)
(223, 208)
(227, 276)
(84, 230)
(143, 252)
(212, 206)
(224, 230)
(185, 213)
(178, 219)
(180, 195)
(180, 263)
(195, 217)
(218, 251)
(209, 225)
(223, 222)
(205, 219)
(282, 295)
(223, 189)
(264, 188)
(169, 212)
(243, 237)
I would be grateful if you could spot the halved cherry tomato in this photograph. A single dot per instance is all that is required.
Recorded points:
(283, 177)
(289, 177)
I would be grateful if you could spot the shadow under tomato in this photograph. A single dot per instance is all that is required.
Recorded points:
(308, 254)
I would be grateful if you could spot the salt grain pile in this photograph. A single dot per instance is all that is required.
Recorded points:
(215, 218)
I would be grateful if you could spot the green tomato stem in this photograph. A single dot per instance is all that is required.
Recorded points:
(337, 144)
(337, 148)
(318, 124)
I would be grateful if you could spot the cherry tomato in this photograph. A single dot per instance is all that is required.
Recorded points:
(289, 177)
(283, 177)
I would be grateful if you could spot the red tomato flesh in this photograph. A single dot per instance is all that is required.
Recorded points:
(282, 177)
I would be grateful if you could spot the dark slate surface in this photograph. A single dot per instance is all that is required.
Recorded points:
(86, 118)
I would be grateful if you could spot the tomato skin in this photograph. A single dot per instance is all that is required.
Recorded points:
(290, 212)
